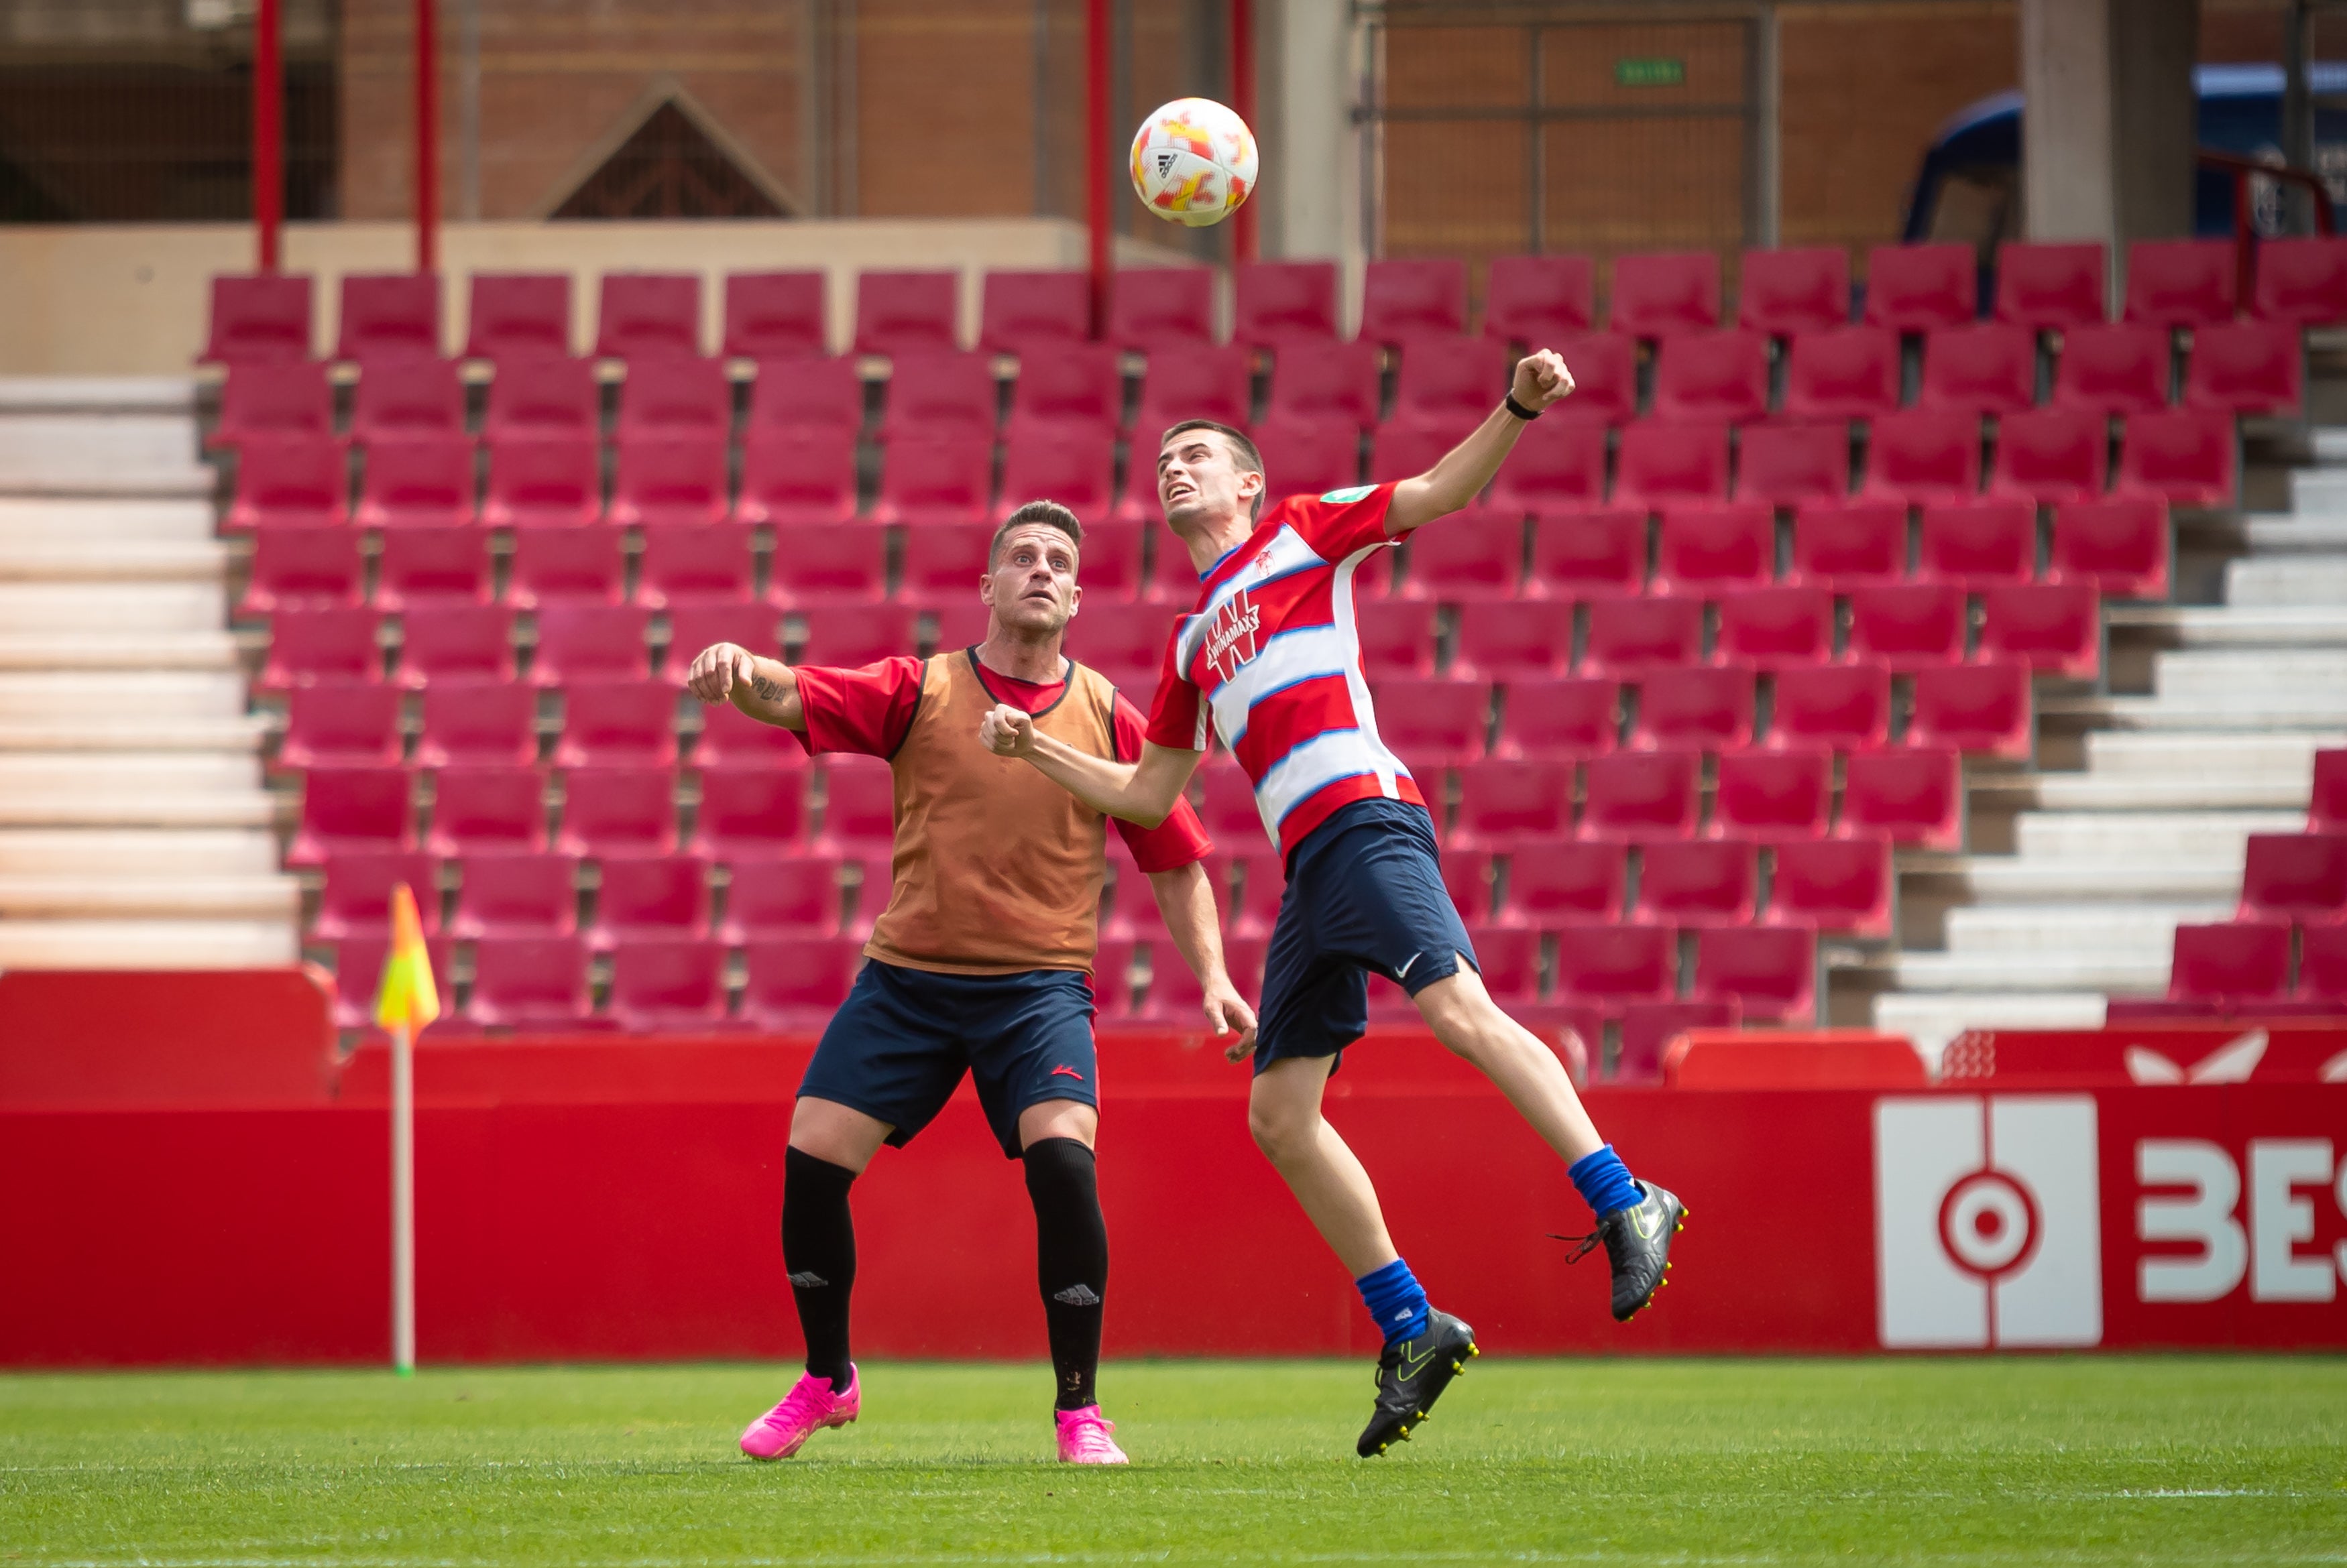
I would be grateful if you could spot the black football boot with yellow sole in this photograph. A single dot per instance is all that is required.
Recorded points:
(1637, 1241)
(1411, 1375)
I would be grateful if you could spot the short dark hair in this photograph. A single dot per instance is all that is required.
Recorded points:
(1249, 457)
(1050, 513)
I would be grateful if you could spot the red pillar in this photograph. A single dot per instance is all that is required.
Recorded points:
(1099, 169)
(268, 134)
(427, 139)
(1243, 100)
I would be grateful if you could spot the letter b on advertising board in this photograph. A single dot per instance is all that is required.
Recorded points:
(1987, 1221)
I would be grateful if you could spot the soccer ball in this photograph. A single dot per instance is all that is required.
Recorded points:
(1194, 162)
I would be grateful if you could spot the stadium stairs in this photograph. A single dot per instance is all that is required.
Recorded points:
(134, 830)
(2137, 817)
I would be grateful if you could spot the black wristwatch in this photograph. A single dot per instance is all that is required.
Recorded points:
(1519, 410)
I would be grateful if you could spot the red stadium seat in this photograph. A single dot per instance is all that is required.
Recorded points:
(1255, 910)
(694, 626)
(2247, 367)
(2326, 808)
(1537, 300)
(515, 895)
(669, 482)
(1629, 636)
(728, 738)
(908, 312)
(2300, 282)
(536, 398)
(1515, 640)
(943, 563)
(617, 721)
(341, 723)
(1552, 883)
(1666, 464)
(1405, 451)
(1769, 629)
(1846, 708)
(1021, 312)
(1712, 376)
(1597, 553)
(774, 316)
(289, 483)
(1843, 545)
(2322, 965)
(1076, 389)
(2180, 282)
(1556, 467)
(926, 481)
(2050, 286)
(1906, 625)
(555, 565)
(401, 399)
(1846, 372)
(544, 483)
(859, 807)
(356, 898)
(256, 320)
(518, 315)
(1508, 960)
(1113, 562)
(2185, 457)
(2230, 967)
(676, 396)
(488, 807)
(843, 636)
(1916, 796)
(619, 809)
(478, 721)
(681, 566)
(455, 641)
(1127, 648)
(302, 568)
(1986, 367)
(962, 626)
(1774, 794)
(417, 481)
(2054, 628)
(650, 897)
(346, 809)
(807, 397)
(796, 983)
(1662, 294)
(2112, 368)
(668, 983)
(358, 971)
(1604, 367)
(2299, 877)
(1308, 458)
(1771, 973)
(1794, 291)
(1073, 466)
(1649, 1027)
(1921, 288)
(274, 402)
(749, 812)
(310, 645)
(1152, 308)
(798, 897)
(938, 396)
(432, 564)
(1396, 637)
(1325, 381)
(1193, 382)
(1640, 795)
(1502, 804)
(1404, 301)
(1977, 708)
(1915, 454)
(1698, 882)
(1476, 554)
(1441, 722)
(797, 482)
(1705, 707)
(529, 982)
(1835, 884)
(1705, 549)
(389, 316)
(1449, 382)
(1978, 542)
(1568, 718)
(1283, 302)
(1613, 965)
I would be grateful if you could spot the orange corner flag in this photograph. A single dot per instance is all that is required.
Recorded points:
(407, 998)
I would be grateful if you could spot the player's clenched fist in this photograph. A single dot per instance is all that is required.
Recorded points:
(719, 667)
(1005, 731)
(1541, 379)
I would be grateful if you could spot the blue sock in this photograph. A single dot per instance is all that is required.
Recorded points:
(1395, 1300)
(1603, 1182)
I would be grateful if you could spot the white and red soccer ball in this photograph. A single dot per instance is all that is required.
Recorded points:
(1194, 162)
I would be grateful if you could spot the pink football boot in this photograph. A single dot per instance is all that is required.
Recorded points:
(810, 1407)
(1084, 1440)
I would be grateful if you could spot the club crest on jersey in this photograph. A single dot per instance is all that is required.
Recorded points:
(1230, 636)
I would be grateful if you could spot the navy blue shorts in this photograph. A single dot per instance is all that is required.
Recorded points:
(1364, 892)
(898, 1046)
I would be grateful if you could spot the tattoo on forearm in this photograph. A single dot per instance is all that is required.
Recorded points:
(772, 690)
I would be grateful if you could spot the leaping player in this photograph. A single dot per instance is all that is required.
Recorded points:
(981, 964)
(1271, 660)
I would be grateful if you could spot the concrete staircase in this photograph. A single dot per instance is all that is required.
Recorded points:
(134, 832)
(2100, 865)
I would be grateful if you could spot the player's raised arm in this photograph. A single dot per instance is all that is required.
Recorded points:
(765, 689)
(1142, 791)
(1541, 380)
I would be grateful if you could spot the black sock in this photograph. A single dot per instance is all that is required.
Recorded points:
(1070, 1261)
(819, 1249)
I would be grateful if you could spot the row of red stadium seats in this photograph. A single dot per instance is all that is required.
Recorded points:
(1912, 287)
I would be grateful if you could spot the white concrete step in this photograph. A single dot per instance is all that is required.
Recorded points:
(101, 454)
(98, 394)
(2218, 675)
(130, 772)
(148, 650)
(2132, 931)
(102, 731)
(2299, 625)
(65, 521)
(264, 898)
(243, 808)
(1933, 1019)
(2216, 756)
(139, 609)
(147, 944)
(175, 694)
(2149, 792)
(109, 561)
(2135, 837)
(2012, 973)
(2297, 533)
(136, 854)
(2008, 879)
(2247, 712)
(2256, 582)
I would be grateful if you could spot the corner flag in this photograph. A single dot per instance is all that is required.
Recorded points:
(406, 999)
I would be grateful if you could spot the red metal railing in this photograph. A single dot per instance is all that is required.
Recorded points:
(2245, 227)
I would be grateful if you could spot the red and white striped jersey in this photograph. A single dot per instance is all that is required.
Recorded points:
(1271, 659)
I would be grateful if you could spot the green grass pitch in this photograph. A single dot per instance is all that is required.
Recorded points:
(1971, 1462)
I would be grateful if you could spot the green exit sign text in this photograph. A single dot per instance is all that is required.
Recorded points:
(1653, 72)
